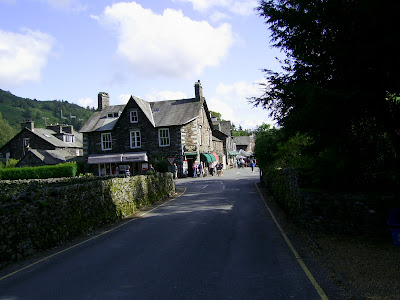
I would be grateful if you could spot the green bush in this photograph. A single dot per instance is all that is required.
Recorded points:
(11, 163)
(161, 164)
(42, 172)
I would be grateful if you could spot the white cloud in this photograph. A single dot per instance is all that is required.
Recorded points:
(164, 95)
(241, 7)
(232, 102)
(23, 56)
(218, 16)
(122, 99)
(170, 44)
(84, 102)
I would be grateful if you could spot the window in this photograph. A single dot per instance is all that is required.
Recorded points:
(163, 137)
(135, 139)
(113, 114)
(134, 116)
(106, 143)
(26, 142)
(68, 138)
(200, 141)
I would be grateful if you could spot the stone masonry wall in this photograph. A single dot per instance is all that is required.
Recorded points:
(336, 212)
(37, 215)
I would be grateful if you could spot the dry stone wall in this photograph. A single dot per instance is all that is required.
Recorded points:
(360, 213)
(36, 215)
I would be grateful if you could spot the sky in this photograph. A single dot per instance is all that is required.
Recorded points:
(153, 49)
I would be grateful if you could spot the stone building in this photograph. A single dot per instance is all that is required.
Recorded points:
(40, 146)
(245, 143)
(223, 131)
(140, 133)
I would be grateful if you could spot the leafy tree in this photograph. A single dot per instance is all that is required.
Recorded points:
(216, 115)
(240, 131)
(6, 132)
(262, 128)
(266, 147)
(341, 63)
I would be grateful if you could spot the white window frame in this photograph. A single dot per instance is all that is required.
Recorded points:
(134, 116)
(135, 139)
(164, 139)
(26, 142)
(68, 138)
(106, 141)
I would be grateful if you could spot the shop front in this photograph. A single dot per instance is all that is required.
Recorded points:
(190, 159)
(118, 163)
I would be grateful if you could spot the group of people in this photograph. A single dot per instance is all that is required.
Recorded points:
(199, 170)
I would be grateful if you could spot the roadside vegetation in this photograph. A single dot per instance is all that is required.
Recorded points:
(336, 99)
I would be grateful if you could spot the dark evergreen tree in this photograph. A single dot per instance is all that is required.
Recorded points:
(339, 83)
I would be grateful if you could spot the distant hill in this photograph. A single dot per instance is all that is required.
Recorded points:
(15, 110)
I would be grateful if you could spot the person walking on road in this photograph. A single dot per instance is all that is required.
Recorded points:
(252, 165)
(194, 170)
(219, 169)
(201, 169)
(211, 168)
(175, 171)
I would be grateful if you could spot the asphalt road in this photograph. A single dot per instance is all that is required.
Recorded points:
(216, 241)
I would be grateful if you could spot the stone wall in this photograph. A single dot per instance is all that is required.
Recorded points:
(362, 213)
(37, 215)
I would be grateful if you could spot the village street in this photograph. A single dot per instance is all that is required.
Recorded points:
(216, 241)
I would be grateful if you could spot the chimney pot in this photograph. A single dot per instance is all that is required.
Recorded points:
(28, 124)
(103, 100)
(198, 90)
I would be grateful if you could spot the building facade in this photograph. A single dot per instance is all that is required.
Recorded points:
(61, 141)
(141, 133)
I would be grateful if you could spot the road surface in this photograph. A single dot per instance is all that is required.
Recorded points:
(216, 241)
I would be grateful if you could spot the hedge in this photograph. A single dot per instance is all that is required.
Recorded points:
(42, 172)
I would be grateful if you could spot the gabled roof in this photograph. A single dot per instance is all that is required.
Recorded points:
(159, 113)
(175, 112)
(241, 140)
(226, 127)
(223, 126)
(146, 108)
(99, 120)
(50, 157)
(48, 136)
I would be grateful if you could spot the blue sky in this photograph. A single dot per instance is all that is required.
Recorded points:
(153, 49)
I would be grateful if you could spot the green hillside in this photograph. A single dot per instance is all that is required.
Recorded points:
(15, 110)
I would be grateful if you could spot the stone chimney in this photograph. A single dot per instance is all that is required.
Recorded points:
(28, 124)
(103, 100)
(198, 90)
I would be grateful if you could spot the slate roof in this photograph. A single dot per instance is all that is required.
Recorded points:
(223, 126)
(226, 127)
(51, 157)
(99, 121)
(241, 140)
(159, 113)
(48, 135)
(175, 112)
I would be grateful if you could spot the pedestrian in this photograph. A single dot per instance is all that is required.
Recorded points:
(128, 172)
(252, 165)
(194, 170)
(219, 169)
(175, 171)
(211, 167)
(151, 168)
(201, 169)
